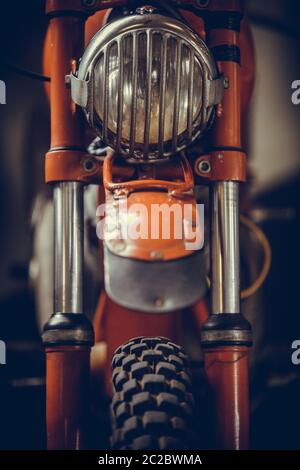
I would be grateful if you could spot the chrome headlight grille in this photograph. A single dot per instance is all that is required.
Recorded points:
(148, 84)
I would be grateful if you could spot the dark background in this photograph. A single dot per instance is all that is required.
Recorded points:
(275, 166)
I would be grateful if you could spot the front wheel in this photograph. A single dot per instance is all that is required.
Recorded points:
(152, 405)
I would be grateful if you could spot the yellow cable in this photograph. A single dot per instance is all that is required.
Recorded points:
(267, 261)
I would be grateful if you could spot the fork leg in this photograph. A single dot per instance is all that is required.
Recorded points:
(68, 335)
(226, 335)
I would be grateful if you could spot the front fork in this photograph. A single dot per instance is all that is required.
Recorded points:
(226, 335)
(68, 335)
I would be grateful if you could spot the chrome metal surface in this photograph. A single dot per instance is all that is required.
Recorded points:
(140, 291)
(145, 10)
(225, 253)
(68, 246)
(226, 336)
(148, 84)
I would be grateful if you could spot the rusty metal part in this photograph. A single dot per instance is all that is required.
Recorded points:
(222, 165)
(227, 373)
(67, 396)
(178, 187)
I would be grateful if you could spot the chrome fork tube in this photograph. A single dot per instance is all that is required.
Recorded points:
(225, 251)
(68, 247)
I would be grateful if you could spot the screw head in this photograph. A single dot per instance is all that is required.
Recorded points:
(156, 255)
(159, 302)
(204, 166)
(68, 81)
(226, 83)
(89, 165)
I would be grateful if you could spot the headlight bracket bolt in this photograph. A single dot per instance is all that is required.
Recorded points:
(226, 83)
(204, 166)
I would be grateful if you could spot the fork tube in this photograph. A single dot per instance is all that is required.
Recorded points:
(68, 247)
(225, 256)
(68, 335)
(226, 335)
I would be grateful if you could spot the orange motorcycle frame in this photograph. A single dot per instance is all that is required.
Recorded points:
(226, 365)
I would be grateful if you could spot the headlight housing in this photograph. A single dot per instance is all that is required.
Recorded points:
(148, 85)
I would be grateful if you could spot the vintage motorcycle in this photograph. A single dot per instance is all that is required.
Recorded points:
(165, 86)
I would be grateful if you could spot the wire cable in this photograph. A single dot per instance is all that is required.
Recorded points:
(261, 237)
(28, 73)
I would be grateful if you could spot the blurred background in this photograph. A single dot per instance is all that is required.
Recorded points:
(274, 159)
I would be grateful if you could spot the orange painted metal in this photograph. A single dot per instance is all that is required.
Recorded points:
(99, 317)
(200, 312)
(59, 6)
(94, 23)
(160, 238)
(175, 196)
(247, 65)
(64, 165)
(67, 386)
(227, 373)
(194, 21)
(225, 165)
(185, 185)
(67, 39)
(228, 165)
(227, 126)
(116, 325)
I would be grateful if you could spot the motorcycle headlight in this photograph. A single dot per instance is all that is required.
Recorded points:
(148, 84)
